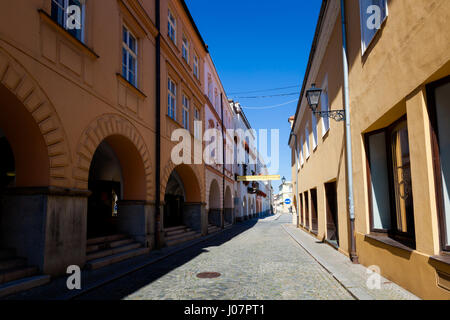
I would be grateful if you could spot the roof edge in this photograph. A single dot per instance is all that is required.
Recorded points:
(310, 61)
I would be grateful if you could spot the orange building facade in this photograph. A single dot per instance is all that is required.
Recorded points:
(87, 117)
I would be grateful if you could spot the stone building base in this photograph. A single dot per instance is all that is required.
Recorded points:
(47, 226)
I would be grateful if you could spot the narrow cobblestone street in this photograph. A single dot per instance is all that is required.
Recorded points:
(256, 260)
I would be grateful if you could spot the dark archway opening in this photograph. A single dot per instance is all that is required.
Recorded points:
(174, 200)
(105, 183)
(7, 169)
(228, 214)
(332, 213)
(215, 207)
(7, 164)
(314, 212)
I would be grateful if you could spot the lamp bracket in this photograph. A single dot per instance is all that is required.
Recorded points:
(337, 115)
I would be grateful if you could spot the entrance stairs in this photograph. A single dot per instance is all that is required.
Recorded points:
(16, 275)
(213, 229)
(104, 251)
(181, 234)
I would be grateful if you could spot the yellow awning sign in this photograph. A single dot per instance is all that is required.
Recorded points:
(259, 178)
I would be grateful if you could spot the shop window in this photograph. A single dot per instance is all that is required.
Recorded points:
(439, 106)
(390, 189)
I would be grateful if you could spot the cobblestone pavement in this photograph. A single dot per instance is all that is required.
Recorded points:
(257, 261)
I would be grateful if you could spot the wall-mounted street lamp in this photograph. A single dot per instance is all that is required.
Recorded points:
(313, 96)
(283, 180)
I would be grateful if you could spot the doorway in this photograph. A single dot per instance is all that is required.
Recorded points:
(174, 202)
(314, 215)
(332, 213)
(306, 210)
(105, 183)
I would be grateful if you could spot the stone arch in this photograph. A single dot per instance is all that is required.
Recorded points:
(214, 201)
(228, 198)
(25, 90)
(126, 141)
(191, 178)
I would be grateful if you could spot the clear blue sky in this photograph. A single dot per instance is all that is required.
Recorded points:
(259, 45)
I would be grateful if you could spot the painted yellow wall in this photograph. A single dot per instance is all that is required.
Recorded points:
(387, 82)
(327, 162)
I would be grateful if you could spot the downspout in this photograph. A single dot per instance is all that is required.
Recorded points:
(223, 164)
(351, 205)
(158, 240)
(296, 179)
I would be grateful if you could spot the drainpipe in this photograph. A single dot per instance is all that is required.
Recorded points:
(158, 240)
(223, 163)
(296, 178)
(351, 205)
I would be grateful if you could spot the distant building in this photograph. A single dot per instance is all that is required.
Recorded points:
(284, 195)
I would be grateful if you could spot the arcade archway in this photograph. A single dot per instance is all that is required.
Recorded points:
(7, 164)
(116, 174)
(228, 210)
(246, 209)
(215, 211)
(24, 180)
(182, 200)
(174, 202)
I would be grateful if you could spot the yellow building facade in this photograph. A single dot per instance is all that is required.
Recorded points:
(399, 101)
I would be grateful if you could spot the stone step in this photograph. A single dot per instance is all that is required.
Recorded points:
(175, 232)
(12, 263)
(174, 228)
(213, 229)
(105, 239)
(7, 253)
(180, 235)
(171, 243)
(106, 261)
(109, 252)
(23, 284)
(108, 245)
(17, 273)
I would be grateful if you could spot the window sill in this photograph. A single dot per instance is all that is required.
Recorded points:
(131, 86)
(443, 258)
(48, 19)
(174, 121)
(384, 239)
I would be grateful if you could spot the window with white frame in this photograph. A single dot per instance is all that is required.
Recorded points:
(172, 27)
(185, 112)
(314, 131)
(69, 14)
(302, 159)
(172, 100)
(196, 70)
(210, 89)
(197, 128)
(372, 13)
(129, 57)
(185, 49)
(307, 153)
(325, 106)
(216, 104)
